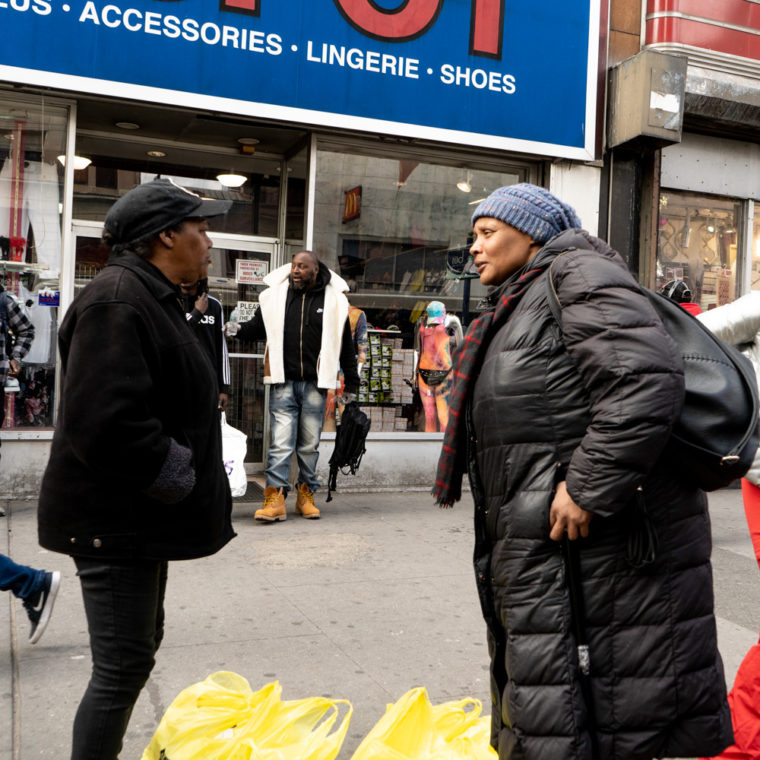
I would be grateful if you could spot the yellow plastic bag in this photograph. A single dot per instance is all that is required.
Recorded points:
(221, 718)
(414, 729)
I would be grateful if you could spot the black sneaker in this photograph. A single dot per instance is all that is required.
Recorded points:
(39, 606)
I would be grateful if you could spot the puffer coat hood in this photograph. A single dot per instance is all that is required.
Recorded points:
(591, 402)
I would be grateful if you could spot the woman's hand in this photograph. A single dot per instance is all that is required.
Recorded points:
(566, 516)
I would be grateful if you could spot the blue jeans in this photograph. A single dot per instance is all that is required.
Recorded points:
(124, 604)
(296, 414)
(20, 580)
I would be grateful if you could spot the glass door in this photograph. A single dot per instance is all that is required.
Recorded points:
(238, 265)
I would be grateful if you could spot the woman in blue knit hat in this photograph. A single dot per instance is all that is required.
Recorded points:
(565, 392)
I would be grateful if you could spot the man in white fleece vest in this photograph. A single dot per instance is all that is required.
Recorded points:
(303, 315)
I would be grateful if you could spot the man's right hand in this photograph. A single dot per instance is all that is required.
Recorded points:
(231, 329)
(201, 303)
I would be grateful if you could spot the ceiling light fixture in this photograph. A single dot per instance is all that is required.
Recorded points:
(249, 140)
(80, 162)
(231, 180)
(126, 125)
(155, 154)
(464, 184)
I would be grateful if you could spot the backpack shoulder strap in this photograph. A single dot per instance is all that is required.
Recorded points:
(552, 297)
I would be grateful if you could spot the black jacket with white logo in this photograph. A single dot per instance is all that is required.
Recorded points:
(209, 328)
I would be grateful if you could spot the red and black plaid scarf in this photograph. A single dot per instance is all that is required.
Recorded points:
(452, 463)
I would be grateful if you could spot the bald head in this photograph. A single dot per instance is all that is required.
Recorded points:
(313, 256)
(303, 270)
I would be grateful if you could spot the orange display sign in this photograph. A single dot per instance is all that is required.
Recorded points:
(352, 206)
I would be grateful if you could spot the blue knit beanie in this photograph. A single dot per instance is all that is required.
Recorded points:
(530, 209)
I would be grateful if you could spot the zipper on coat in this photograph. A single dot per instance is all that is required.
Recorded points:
(300, 342)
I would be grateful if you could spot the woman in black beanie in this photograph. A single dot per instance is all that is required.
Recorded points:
(565, 393)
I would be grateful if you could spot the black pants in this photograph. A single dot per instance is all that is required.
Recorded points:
(124, 604)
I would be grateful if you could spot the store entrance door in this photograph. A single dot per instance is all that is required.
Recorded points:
(238, 266)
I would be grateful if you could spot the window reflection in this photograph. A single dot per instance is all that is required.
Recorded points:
(697, 242)
(32, 136)
(388, 227)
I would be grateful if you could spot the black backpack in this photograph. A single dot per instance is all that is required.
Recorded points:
(715, 439)
(349, 444)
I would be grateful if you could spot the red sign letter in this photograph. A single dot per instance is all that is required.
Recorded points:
(411, 19)
(251, 7)
(486, 27)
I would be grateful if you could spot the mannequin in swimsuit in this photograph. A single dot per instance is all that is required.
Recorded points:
(436, 335)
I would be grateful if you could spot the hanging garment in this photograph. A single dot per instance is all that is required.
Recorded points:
(42, 351)
(39, 209)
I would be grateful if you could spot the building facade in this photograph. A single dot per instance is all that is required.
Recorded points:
(366, 131)
(686, 202)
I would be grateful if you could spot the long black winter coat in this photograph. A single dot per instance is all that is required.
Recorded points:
(592, 402)
(135, 378)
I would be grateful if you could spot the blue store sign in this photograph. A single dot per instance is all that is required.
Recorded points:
(504, 74)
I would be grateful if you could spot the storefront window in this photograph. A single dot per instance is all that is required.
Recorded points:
(32, 136)
(755, 253)
(698, 242)
(388, 227)
(297, 168)
(254, 203)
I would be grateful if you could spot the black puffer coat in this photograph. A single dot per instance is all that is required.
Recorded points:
(592, 402)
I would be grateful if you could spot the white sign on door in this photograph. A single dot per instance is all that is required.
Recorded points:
(246, 310)
(250, 272)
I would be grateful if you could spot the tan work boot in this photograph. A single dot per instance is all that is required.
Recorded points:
(274, 506)
(305, 502)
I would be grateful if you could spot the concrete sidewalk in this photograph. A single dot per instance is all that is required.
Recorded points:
(364, 604)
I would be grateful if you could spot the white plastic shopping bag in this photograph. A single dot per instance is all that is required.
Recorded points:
(234, 448)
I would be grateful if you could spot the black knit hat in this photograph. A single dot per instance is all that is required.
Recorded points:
(155, 206)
